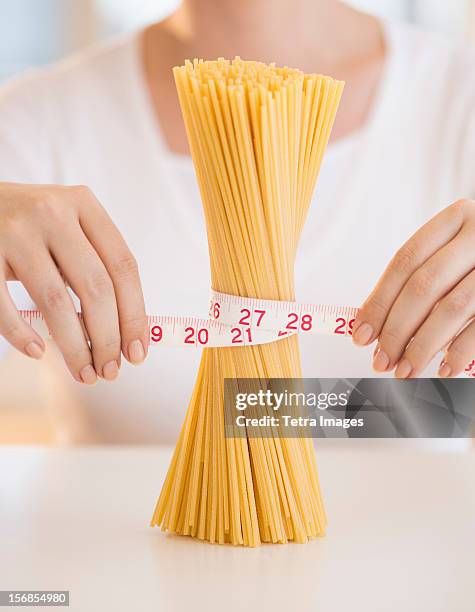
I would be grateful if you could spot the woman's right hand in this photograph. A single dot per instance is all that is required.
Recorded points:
(53, 235)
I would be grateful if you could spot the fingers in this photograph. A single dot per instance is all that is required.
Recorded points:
(433, 236)
(90, 281)
(39, 274)
(429, 284)
(123, 271)
(45, 226)
(16, 330)
(444, 323)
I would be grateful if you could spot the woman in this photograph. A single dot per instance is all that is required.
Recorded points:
(401, 154)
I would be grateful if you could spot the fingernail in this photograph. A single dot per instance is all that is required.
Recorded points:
(363, 334)
(380, 361)
(445, 370)
(33, 349)
(136, 352)
(403, 369)
(110, 371)
(88, 375)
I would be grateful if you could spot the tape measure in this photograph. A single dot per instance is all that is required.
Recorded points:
(240, 321)
(237, 321)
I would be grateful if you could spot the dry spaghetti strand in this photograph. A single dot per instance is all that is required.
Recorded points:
(257, 135)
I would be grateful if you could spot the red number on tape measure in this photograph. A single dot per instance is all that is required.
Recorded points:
(238, 335)
(214, 310)
(339, 328)
(261, 314)
(350, 327)
(157, 333)
(245, 319)
(291, 325)
(191, 332)
(305, 323)
(237, 338)
(344, 327)
(202, 336)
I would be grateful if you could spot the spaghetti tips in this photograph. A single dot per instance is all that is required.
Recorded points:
(257, 135)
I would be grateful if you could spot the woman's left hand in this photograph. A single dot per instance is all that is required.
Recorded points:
(425, 300)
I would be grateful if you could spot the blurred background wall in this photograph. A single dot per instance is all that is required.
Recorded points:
(33, 32)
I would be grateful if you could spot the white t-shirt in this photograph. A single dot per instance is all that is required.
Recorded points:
(89, 120)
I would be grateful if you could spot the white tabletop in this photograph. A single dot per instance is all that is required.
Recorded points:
(401, 535)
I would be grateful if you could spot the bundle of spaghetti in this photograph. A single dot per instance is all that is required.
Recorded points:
(257, 135)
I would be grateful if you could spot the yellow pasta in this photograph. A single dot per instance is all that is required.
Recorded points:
(257, 135)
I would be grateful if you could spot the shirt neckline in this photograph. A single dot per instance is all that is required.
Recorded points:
(334, 149)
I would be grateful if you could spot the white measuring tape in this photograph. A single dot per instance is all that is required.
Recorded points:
(238, 321)
(241, 321)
